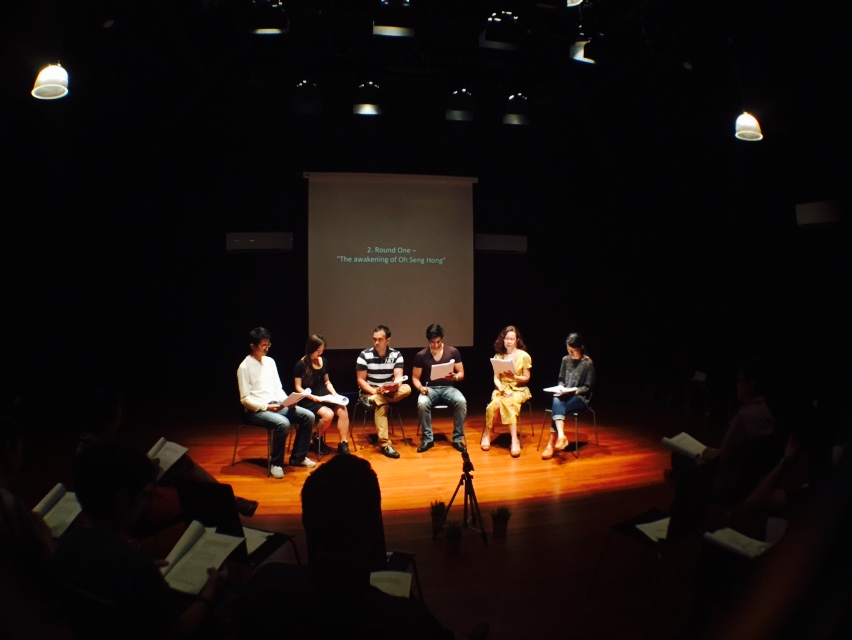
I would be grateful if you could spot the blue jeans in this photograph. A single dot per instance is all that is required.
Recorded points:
(445, 394)
(562, 408)
(280, 421)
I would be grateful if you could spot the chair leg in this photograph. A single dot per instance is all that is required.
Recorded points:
(236, 441)
(576, 436)
(269, 439)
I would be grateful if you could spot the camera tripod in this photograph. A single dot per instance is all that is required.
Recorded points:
(470, 501)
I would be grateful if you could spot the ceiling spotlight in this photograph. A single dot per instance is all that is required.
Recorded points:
(394, 19)
(502, 31)
(51, 83)
(269, 18)
(517, 110)
(573, 3)
(460, 106)
(368, 100)
(747, 128)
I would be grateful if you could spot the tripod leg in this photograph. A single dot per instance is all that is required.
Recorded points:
(471, 493)
(447, 510)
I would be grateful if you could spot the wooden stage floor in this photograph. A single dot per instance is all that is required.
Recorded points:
(532, 583)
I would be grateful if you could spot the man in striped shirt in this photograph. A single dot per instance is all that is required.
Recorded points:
(380, 381)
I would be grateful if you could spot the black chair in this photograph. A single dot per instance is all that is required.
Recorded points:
(394, 414)
(243, 424)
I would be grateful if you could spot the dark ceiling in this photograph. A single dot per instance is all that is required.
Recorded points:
(674, 77)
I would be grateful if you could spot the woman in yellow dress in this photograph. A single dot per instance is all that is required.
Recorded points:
(511, 390)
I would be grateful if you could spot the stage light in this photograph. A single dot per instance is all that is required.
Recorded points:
(747, 128)
(394, 19)
(573, 3)
(368, 100)
(502, 31)
(51, 83)
(517, 110)
(269, 18)
(460, 106)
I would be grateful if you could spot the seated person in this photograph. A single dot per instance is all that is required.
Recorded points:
(380, 382)
(102, 414)
(728, 474)
(576, 371)
(262, 397)
(435, 391)
(311, 372)
(344, 533)
(511, 390)
(96, 564)
(27, 602)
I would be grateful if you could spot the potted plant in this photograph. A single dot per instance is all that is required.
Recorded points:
(454, 537)
(500, 520)
(437, 509)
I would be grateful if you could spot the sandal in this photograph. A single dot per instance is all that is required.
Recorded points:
(485, 442)
(516, 450)
(547, 454)
(561, 443)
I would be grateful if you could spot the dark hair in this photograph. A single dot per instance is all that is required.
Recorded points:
(105, 471)
(576, 340)
(434, 331)
(257, 334)
(315, 341)
(382, 327)
(499, 347)
(342, 500)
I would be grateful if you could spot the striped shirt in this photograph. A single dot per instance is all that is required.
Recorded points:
(379, 370)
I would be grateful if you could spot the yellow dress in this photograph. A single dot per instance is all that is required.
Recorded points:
(509, 406)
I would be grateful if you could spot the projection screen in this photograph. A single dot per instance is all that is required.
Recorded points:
(390, 249)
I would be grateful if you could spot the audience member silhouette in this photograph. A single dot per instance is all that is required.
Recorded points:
(728, 474)
(102, 413)
(27, 605)
(116, 588)
(342, 517)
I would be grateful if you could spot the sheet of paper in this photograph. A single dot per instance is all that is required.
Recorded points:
(167, 453)
(737, 542)
(395, 382)
(334, 399)
(50, 499)
(502, 366)
(63, 513)
(255, 538)
(395, 583)
(657, 530)
(558, 390)
(294, 397)
(442, 370)
(210, 549)
(685, 444)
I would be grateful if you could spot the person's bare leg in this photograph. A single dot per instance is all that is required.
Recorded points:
(547, 454)
(516, 443)
(561, 441)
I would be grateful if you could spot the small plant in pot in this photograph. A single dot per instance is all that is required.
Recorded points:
(437, 509)
(500, 520)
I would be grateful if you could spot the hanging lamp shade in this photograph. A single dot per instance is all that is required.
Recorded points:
(51, 83)
(747, 127)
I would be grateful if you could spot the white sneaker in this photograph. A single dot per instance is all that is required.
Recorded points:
(304, 462)
(277, 472)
